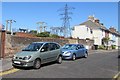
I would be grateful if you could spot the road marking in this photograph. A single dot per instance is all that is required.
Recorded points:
(8, 72)
(116, 76)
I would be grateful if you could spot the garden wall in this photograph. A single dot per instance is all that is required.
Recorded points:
(16, 43)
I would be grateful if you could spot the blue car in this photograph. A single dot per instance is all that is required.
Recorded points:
(73, 51)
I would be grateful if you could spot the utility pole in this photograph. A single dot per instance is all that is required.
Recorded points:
(66, 22)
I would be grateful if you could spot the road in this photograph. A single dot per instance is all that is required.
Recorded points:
(97, 65)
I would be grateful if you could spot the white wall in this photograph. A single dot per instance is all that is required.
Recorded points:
(117, 43)
(82, 32)
(98, 35)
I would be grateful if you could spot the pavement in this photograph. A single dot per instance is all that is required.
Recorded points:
(5, 64)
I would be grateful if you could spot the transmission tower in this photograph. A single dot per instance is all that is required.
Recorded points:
(9, 21)
(66, 22)
(41, 26)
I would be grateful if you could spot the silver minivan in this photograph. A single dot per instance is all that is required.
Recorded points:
(38, 53)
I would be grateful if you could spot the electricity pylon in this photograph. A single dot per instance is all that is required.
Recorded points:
(66, 18)
(41, 26)
(9, 21)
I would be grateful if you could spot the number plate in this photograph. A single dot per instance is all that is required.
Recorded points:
(17, 62)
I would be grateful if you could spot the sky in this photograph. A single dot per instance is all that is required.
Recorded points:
(27, 14)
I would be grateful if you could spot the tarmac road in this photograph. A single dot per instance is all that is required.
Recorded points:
(97, 65)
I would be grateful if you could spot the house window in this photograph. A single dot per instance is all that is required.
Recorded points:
(87, 29)
(91, 31)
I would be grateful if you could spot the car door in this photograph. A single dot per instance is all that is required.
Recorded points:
(54, 51)
(80, 51)
(45, 53)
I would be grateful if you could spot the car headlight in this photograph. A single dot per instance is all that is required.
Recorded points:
(14, 56)
(67, 53)
(26, 57)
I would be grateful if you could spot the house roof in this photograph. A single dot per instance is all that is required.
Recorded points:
(94, 25)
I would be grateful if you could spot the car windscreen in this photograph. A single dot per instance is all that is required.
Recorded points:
(33, 47)
(69, 46)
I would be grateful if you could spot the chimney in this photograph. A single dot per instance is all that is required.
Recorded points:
(91, 18)
(102, 24)
(97, 20)
(112, 29)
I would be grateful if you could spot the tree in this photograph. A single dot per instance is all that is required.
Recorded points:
(33, 32)
(105, 41)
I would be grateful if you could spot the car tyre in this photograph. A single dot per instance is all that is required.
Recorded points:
(86, 55)
(59, 60)
(73, 57)
(14, 66)
(37, 64)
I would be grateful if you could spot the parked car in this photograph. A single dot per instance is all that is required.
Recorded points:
(118, 56)
(73, 51)
(38, 53)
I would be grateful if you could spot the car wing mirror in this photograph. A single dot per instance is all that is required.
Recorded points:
(42, 50)
(77, 48)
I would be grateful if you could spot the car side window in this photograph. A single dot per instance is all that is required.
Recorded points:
(52, 46)
(82, 46)
(57, 46)
(45, 48)
(78, 47)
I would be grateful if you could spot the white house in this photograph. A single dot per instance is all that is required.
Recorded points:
(93, 29)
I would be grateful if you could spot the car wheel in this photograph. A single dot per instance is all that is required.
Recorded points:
(59, 60)
(14, 66)
(37, 64)
(86, 55)
(73, 57)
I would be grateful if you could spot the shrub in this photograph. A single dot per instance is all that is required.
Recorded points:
(113, 46)
(43, 34)
(101, 47)
(54, 36)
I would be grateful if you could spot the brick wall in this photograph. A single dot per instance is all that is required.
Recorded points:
(16, 43)
(22, 34)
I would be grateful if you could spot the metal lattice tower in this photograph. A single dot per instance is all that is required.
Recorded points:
(9, 21)
(42, 26)
(66, 20)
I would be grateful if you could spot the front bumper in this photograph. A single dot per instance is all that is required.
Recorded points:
(67, 57)
(22, 63)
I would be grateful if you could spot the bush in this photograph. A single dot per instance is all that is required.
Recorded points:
(54, 36)
(101, 47)
(113, 46)
(43, 34)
